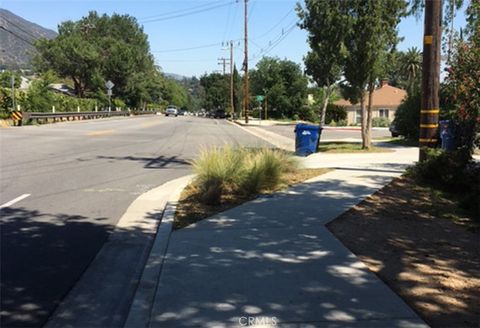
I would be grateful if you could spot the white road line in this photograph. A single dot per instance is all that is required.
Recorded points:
(16, 200)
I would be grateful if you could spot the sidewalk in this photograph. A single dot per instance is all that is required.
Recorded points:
(272, 262)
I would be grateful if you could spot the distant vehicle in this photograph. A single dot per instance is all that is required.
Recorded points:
(171, 110)
(183, 113)
(393, 130)
(219, 113)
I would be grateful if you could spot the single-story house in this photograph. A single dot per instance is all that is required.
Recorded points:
(386, 100)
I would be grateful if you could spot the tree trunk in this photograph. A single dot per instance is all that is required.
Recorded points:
(364, 122)
(371, 88)
(323, 112)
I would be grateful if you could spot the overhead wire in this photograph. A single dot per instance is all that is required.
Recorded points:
(178, 11)
(187, 13)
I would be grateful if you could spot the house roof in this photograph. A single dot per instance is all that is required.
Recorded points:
(385, 96)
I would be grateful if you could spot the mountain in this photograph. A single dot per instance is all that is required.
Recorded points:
(174, 76)
(16, 40)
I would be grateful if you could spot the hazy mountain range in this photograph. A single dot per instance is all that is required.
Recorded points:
(16, 40)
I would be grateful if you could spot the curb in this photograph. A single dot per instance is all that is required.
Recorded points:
(139, 313)
(272, 138)
(103, 295)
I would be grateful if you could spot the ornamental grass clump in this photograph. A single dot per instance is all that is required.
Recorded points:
(238, 172)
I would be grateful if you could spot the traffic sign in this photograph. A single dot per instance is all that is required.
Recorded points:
(260, 98)
(109, 85)
(109, 92)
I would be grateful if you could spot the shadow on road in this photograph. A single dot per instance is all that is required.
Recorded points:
(159, 162)
(43, 255)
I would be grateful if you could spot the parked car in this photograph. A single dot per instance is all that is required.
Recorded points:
(393, 130)
(171, 110)
(219, 113)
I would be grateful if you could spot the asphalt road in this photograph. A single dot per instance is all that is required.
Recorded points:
(63, 187)
(328, 133)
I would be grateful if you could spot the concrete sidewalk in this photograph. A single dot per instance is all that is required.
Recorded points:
(272, 262)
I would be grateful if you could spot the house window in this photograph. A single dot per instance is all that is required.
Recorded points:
(358, 116)
(383, 112)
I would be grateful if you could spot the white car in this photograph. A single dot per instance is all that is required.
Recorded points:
(171, 110)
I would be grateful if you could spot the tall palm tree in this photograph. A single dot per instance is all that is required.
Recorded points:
(411, 64)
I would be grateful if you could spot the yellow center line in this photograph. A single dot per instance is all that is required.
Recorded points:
(100, 133)
(150, 124)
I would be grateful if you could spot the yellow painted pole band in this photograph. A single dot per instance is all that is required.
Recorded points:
(429, 126)
(430, 111)
(427, 140)
(428, 39)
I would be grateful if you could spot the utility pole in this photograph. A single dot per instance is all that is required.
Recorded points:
(223, 61)
(431, 76)
(245, 66)
(232, 105)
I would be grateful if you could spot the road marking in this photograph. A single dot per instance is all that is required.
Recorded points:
(16, 200)
(150, 124)
(100, 133)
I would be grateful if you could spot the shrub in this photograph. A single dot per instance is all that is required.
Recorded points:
(453, 172)
(381, 122)
(342, 123)
(243, 172)
(335, 113)
(407, 116)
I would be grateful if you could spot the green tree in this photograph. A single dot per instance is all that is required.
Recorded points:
(100, 48)
(327, 24)
(217, 91)
(372, 35)
(283, 82)
(6, 79)
(411, 66)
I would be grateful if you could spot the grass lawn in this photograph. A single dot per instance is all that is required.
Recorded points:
(421, 244)
(403, 142)
(349, 147)
(191, 210)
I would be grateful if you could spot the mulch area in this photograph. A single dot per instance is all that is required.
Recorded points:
(422, 246)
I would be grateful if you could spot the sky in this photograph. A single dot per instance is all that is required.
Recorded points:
(189, 37)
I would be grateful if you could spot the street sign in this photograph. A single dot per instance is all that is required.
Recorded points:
(260, 98)
(109, 92)
(109, 85)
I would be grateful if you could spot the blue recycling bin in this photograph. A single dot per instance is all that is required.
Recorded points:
(447, 134)
(306, 139)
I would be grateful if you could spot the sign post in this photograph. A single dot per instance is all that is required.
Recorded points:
(259, 99)
(109, 86)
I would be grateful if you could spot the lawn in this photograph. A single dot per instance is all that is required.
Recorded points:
(349, 147)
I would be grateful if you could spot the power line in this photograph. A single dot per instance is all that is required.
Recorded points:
(16, 35)
(276, 25)
(276, 42)
(173, 12)
(187, 13)
(211, 45)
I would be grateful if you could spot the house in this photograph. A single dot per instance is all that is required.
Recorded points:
(386, 100)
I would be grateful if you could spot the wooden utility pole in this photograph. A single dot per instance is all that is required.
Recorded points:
(232, 104)
(223, 62)
(431, 76)
(245, 66)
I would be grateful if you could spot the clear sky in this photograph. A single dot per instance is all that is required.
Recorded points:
(186, 36)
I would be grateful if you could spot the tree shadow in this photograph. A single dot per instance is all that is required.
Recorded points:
(159, 162)
(43, 255)
(431, 261)
(274, 258)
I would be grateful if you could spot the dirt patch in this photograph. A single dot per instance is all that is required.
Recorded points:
(421, 245)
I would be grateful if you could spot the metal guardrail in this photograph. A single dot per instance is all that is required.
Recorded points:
(42, 117)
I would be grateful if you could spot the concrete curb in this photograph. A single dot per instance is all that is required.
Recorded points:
(270, 137)
(141, 307)
(103, 295)
(139, 313)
